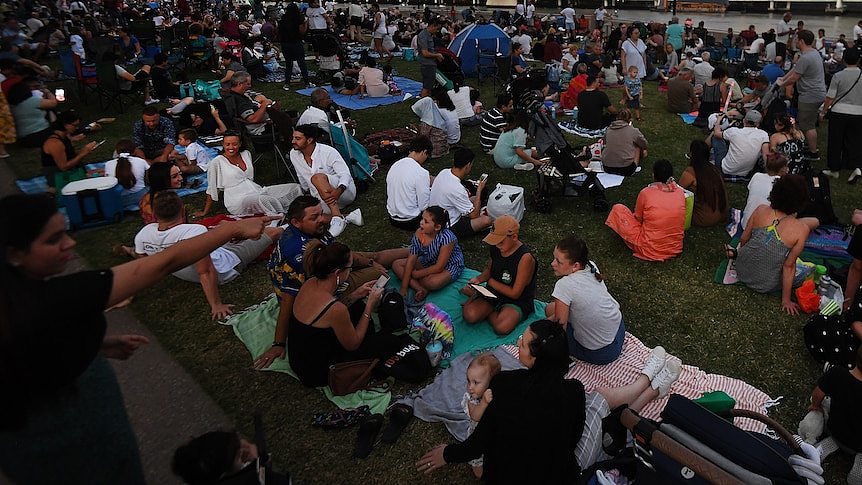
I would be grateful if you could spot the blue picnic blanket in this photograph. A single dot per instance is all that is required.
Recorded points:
(688, 118)
(354, 102)
(39, 185)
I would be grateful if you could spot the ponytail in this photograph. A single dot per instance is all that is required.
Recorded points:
(124, 171)
(576, 251)
(322, 260)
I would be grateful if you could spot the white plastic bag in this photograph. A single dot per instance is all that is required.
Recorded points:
(506, 200)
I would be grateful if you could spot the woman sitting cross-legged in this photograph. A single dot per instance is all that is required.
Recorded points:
(704, 179)
(435, 258)
(322, 330)
(541, 428)
(582, 305)
(773, 239)
(656, 228)
(510, 150)
(510, 275)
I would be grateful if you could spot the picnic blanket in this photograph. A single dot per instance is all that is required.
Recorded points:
(255, 326)
(354, 102)
(39, 185)
(478, 336)
(573, 128)
(440, 401)
(688, 118)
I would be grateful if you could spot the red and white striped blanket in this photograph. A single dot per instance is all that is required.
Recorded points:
(692, 383)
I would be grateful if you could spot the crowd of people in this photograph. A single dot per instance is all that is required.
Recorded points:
(761, 129)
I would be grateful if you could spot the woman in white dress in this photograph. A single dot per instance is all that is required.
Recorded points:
(634, 53)
(232, 172)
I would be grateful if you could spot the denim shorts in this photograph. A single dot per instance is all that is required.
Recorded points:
(604, 355)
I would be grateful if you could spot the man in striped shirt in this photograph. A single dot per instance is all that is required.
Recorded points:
(493, 122)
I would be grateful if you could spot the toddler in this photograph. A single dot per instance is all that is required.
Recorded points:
(633, 92)
(435, 258)
(479, 374)
(196, 158)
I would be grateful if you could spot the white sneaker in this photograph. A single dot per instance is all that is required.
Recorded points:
(337, 225)
(655, 363)
(526, 167)
(830, 173)
(151, 101)
(355, 217)
(668, 375)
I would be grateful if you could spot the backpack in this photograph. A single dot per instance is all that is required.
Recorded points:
(829, 339)
(392, 314)
(819, 199)
(410, 363)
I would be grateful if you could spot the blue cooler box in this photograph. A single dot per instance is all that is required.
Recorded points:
(92, 202)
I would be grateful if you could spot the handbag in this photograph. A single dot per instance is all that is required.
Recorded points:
(507, 200)
(829, 111)
(349, 377)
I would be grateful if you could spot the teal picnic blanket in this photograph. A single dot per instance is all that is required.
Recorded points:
(478, 336)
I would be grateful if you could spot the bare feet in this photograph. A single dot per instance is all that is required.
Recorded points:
(420, 295)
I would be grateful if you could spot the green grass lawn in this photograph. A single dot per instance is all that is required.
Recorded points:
(721, 329)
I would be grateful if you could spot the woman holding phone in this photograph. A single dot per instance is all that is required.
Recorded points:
(58, 153)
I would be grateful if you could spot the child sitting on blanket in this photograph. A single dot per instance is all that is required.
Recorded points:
(435, 258)
(195, 158)
(479, 374)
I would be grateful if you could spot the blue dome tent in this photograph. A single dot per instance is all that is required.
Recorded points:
(488, 37)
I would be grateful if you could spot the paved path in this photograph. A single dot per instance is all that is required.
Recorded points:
(166, 406)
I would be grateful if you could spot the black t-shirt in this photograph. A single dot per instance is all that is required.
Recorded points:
(163, 83)
(591, 106)
(56, 329)
(845, 415)
(289, 31)
(505, 270)
(589, 58)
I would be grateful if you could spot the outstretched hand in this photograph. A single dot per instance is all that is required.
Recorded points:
(252, 227)
(790, 307)
(121, 347)
(432, 460)
(267, 358)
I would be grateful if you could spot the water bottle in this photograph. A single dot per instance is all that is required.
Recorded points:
(435, 352)
(554, 113)
(825, 287)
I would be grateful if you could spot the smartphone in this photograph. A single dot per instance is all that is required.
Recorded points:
(100, 144)
(381, 282)
(483, 177)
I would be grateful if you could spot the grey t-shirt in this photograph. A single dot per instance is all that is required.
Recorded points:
(425, 41)
(851, 103)
(594, 314)
(811, 83)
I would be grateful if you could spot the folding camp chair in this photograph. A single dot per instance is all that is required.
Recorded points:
(109, 86)
(353, 152)
(283, 124)
(259, 144)
(85, 76)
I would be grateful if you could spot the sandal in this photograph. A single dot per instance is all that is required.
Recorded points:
(368, 429)
(730, 251)
(399, 418)
(340, 418)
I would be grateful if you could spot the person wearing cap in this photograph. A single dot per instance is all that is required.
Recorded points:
(655, 230)
(744, 145)
(510, 275)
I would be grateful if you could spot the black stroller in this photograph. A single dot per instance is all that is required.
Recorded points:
(695, 446)
(563, 174)
(450, 66)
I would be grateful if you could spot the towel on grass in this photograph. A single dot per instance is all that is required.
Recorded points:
(440, 401)
(255, 327)
(688, 118)
(354, 102)
(39, 185)
(478, 336)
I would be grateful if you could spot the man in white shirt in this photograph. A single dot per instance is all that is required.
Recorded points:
(222, 265)
(447, 191)
(600, 16)
(783, 32)
(569, 14)
(531, 11)
(520, 11)
(745, 145)
(316, 114)
(321, 170)
(526, 42)
(857, 31)
(703, 71)
(408, 186)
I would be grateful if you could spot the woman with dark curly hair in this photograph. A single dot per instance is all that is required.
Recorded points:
(773, 239)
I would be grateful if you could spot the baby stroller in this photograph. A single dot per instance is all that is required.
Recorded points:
(692, 445)
(450, 66)
(562, 174)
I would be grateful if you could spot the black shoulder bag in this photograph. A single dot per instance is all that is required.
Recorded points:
(829, 111)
